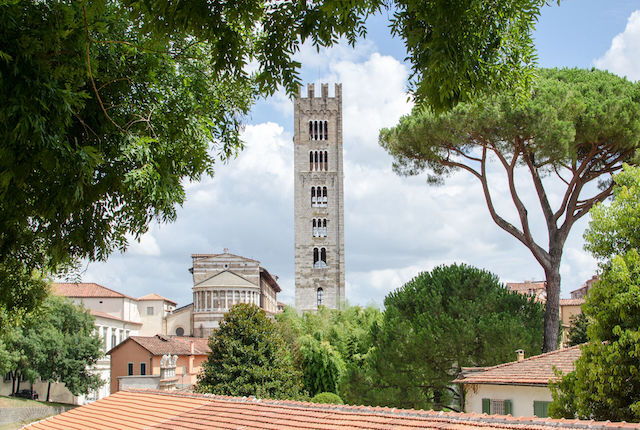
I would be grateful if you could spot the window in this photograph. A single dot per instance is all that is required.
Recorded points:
(318, 197)
(541, 409)
(318, 130)
(318, 161)
(130, 369)
(179, 331)
(143, 368)
(319, 227)
(319, 258)
(497, 406)
(320, 293)
(149, 310)
(113, 338)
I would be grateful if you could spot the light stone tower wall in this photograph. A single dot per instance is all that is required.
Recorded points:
(311, 272)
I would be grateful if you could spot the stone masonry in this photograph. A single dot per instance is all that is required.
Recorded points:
(318, 200)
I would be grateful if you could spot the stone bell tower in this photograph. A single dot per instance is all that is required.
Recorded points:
(319, 199)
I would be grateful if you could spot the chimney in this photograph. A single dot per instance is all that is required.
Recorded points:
(520, 354)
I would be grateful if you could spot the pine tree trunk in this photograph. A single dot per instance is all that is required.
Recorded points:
(18, 387)
(14, 375)
(48, 390)
(552, 309)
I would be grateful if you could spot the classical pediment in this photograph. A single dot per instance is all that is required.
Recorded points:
(226, 278)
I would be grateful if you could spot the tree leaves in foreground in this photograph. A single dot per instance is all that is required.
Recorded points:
(249, 358)
(574, 132)
(109, 107)
(452, 317)
(605, 384)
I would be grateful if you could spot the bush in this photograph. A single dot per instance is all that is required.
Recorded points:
(332, 398)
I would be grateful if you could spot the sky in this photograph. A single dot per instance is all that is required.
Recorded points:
(395, 227)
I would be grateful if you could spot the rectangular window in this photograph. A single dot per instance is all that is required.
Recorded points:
(497, 406)
(130, 369)
(149, 310)
(143, 368)
(541, 409)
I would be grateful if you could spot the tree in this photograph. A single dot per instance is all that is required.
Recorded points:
(328, 345)
(576, 129)
(605, 384)
(440, 321)
(249, 358)
(57, 343)
(578, 332)
(110, 107)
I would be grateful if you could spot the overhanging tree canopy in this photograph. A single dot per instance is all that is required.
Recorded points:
(578, 128)
(109, 106)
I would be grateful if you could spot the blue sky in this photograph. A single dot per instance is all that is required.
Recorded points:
(395, 227)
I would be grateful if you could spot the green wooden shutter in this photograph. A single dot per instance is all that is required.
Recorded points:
(508, 409)
(541, 409)
(486, 406)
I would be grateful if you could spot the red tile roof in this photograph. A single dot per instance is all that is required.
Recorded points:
(177, 345)
(138, 409)
(572, 302)
(111, 317)
(154, 296)
(536, 370)
(82, 289)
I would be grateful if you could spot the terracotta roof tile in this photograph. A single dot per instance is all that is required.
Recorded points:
(161, 345)
(89, 289)
(154, 296)
(572, 302)
(138, 409)
(536, 370)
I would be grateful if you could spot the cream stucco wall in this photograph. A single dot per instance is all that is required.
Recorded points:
(521, 396)
(180, 318)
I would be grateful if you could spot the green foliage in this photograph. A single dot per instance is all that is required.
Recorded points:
(110, 107)
(331, 398)
(57, 343)
(329, 344)
(438, 322)
(249, 358)
(578, 331)
(605, 384)
(613, 228)
(577, 127)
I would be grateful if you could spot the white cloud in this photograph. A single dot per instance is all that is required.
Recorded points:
(623, 57)
(146, 245)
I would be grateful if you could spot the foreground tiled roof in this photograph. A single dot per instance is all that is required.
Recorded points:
(536, 370)
(177, 345)
(111, 317)
(137, 409)
(83, 289)
(154, 296)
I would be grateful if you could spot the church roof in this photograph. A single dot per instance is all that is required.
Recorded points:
(223, 272)
(224, 254)
(152, 409)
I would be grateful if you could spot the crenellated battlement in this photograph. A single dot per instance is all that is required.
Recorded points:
(324, 92)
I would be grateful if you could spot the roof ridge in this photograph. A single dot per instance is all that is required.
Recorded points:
(533, 357)
(94, 283)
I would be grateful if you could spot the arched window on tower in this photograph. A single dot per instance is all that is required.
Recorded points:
(323, 258)
(320, 134)
(310, 130)
(315, 130)
(326, 131)
(315, 159)
(310, 160)
(316, 257)
(326, 161)
(314, 199)
(320, 294)
(315, 228)
(321, 160)
(323, 229)
(324, 196)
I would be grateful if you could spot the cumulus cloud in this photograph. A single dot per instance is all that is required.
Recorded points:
(623, 57)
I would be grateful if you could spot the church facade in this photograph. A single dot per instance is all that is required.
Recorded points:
(219, 282)
(318, 200)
